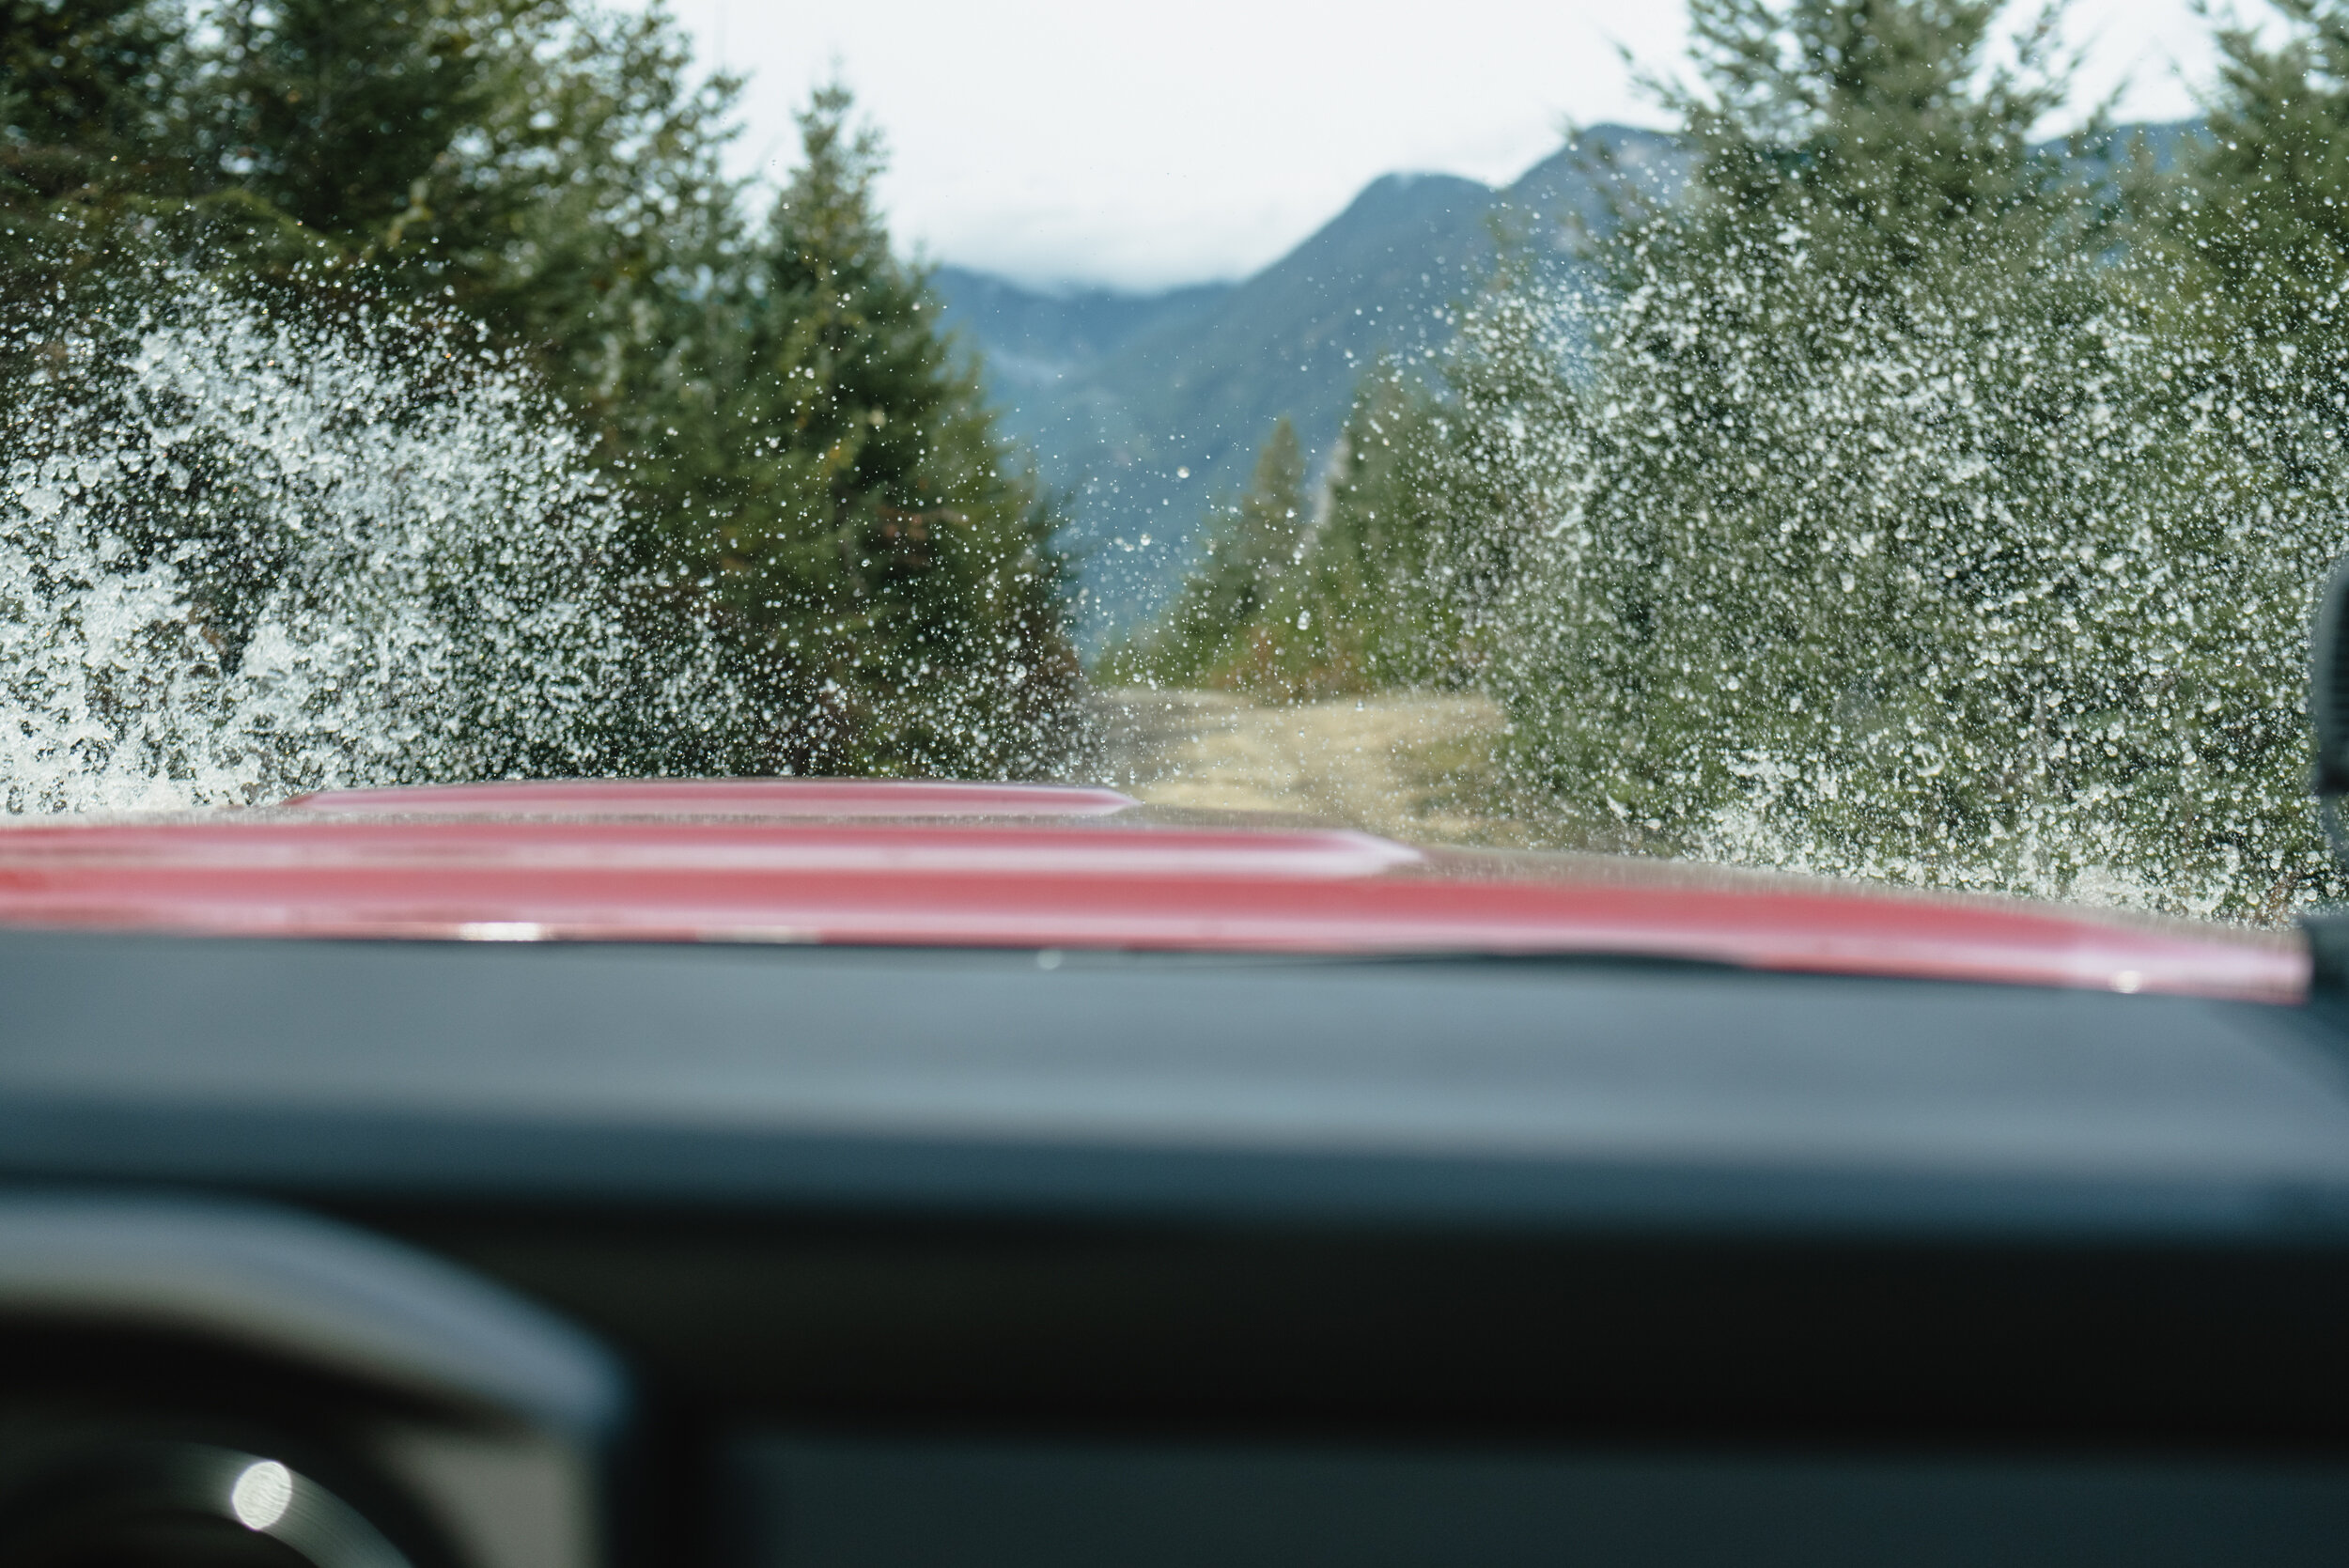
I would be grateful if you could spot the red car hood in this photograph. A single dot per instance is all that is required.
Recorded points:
(1031, 866)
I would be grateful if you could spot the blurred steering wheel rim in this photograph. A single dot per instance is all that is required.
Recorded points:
(67, 1510)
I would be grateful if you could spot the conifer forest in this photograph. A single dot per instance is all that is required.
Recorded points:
(400, 390)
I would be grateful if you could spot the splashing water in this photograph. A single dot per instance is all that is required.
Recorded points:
(1989, 573)
(2001, 584)
(243, 555)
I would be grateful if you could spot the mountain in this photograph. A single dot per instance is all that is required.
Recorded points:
(1030, 341)
(1143, 410)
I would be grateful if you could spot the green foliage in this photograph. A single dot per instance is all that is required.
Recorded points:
(814, 478)
(1222, 628)
(1383, 541)
(83, 86)
(836, 480)
(174, 437)
(1402, 582)
(2257, 217)
(1893, 533)
(1872, 123)
(1877, 509)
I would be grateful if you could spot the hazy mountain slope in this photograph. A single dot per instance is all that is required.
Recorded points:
(1031, 340)
(1119, 394)
(1202, 393)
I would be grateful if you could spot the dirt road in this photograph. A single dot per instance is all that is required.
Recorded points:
(1414, 766)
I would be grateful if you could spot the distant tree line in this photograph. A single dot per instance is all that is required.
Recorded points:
(1908, 497)
(817, 487)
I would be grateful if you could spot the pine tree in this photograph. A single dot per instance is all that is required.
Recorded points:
(883, 563)
(2258, 216)
(81, 84)
(2252, 231)
(545, 166)
(1871, 514)
(1404, 582)
(816, 479)
(86, 115)
(1225, 624)
(530, 165)
(1370, 609)
(1744, 485)
(347, 116)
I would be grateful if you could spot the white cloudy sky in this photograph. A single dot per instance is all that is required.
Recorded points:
(1143, 145)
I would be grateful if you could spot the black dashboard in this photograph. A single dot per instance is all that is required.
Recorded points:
(531, 1253)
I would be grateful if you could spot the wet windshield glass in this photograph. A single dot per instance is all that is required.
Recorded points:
(1897, 438)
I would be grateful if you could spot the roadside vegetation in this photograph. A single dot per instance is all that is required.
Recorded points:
(1903, 495)
(816, 501)
(1909, 498)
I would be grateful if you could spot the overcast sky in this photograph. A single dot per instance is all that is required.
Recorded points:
(1144, 145)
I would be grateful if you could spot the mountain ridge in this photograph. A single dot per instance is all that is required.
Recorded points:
(1143, 410)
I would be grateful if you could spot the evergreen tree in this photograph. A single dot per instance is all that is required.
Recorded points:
(2257, 219)
(1857, 173)
(2251, 233)
(816, 479)
(542, 165)
(87, 116)
(1223, 627)
(349, 116)
(82, 87)
(1886, 537)
(1369, 612)
(881, 560)
(535, 166)
(1399, 586)
(1871, 514)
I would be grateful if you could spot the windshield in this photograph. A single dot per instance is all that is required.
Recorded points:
(1894, 439)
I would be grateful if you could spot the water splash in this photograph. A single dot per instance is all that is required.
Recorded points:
(2000, 581)
(246, 551)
